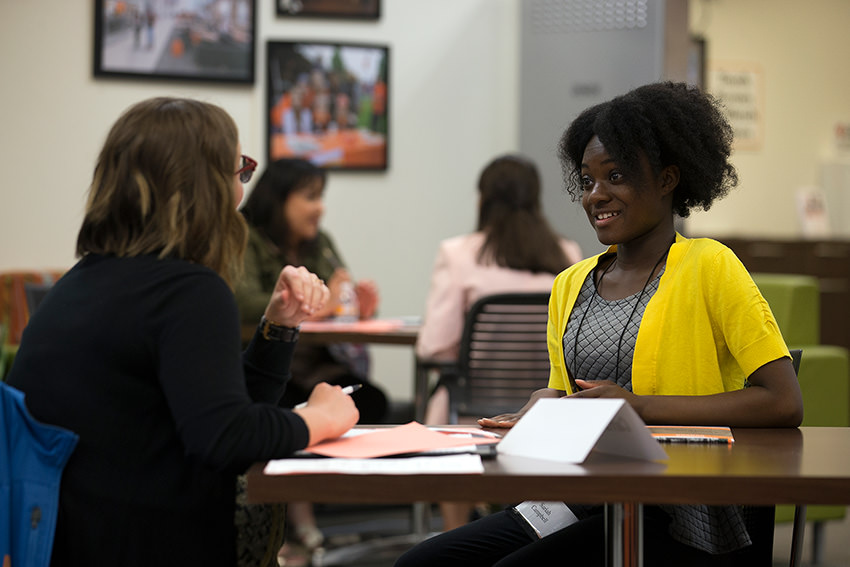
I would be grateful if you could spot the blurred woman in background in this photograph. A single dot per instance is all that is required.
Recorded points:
(284, 211)
(512, 250)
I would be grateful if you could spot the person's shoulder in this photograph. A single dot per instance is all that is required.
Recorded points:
(154, 278)
(462, 248)
(712, 259)
(571, 249)
(193, 286)
(254, 234)
(706, 248)
(258, 243)
(325, 240)
(579, 269)
(702, 243)
(471, 241)
(175, 270)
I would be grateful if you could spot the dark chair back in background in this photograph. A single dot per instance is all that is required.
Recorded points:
(503, 354)
(35, 292)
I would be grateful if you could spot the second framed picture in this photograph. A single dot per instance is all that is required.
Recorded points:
(327, 102)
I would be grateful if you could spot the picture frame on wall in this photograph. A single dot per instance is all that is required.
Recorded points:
(348, 9)
(188, 40)
(327, 102)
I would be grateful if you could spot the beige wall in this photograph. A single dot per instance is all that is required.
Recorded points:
(803, 51)
(452, 106)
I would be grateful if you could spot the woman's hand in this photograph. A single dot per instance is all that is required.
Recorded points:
(772, 400)
(297, 295)
(367, 297)
(329, 413)
(507, 420)
(602, 389)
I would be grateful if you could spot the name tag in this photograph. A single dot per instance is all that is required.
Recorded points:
(545, 518)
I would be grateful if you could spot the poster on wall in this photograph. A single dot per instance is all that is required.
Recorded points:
(739, 87)
(200, 40)
(327, 103)
(357, 9)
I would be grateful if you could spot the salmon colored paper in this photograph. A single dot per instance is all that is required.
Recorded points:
(367, 326)
(410, 438)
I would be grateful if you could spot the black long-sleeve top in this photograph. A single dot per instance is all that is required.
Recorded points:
(141, 358)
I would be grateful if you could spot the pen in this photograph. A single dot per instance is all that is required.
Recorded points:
(348, 390)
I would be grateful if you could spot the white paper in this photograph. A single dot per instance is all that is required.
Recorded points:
(567, 429)
(450, 464)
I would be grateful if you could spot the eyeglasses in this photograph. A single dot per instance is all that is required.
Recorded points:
(247, 170)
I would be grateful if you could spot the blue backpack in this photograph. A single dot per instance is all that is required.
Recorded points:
(32, 457)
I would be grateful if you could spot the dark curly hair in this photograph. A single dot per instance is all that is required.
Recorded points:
(669, 123)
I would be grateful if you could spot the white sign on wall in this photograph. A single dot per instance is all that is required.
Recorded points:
(739, 87)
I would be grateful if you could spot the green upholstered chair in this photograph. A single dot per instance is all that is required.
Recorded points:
(824, 374)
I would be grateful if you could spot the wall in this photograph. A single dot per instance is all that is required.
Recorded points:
(454, 72)
(801, 48)
(571, 59)
(452, 107)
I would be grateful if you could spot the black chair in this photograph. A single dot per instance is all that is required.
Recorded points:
(503, 355)
(35, 292)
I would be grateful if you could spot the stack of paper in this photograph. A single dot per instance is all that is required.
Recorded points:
(356, 452)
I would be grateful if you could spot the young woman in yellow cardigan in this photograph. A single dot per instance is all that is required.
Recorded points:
(673, 325)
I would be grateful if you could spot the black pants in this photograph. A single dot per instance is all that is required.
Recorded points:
(498, 540)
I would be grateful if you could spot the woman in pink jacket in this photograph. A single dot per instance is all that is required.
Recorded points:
(513, 250)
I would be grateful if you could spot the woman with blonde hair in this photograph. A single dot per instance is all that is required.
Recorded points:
(137, 350)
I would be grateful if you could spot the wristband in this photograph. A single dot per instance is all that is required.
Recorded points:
(272, 331)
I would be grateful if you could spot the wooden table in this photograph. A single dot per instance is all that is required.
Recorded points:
(379, 331)
(810, 465)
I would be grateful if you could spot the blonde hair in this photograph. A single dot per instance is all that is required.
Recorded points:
(163, 184)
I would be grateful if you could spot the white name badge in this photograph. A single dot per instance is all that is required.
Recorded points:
(546, 517)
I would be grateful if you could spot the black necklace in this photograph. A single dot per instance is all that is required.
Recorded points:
(596, 288)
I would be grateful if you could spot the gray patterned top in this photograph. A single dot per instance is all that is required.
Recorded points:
(593, 354)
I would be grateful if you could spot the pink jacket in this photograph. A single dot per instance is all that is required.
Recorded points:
(458, 280)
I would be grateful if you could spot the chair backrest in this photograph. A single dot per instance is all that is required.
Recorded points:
(35, 293)
(503, 354)
(796, 357)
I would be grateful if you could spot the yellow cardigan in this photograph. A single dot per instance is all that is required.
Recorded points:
(703, 332)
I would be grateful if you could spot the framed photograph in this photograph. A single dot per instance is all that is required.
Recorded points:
(356, 9)
(328, 102)
(199, 40)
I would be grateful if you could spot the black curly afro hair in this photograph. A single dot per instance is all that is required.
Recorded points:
(669, 123)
